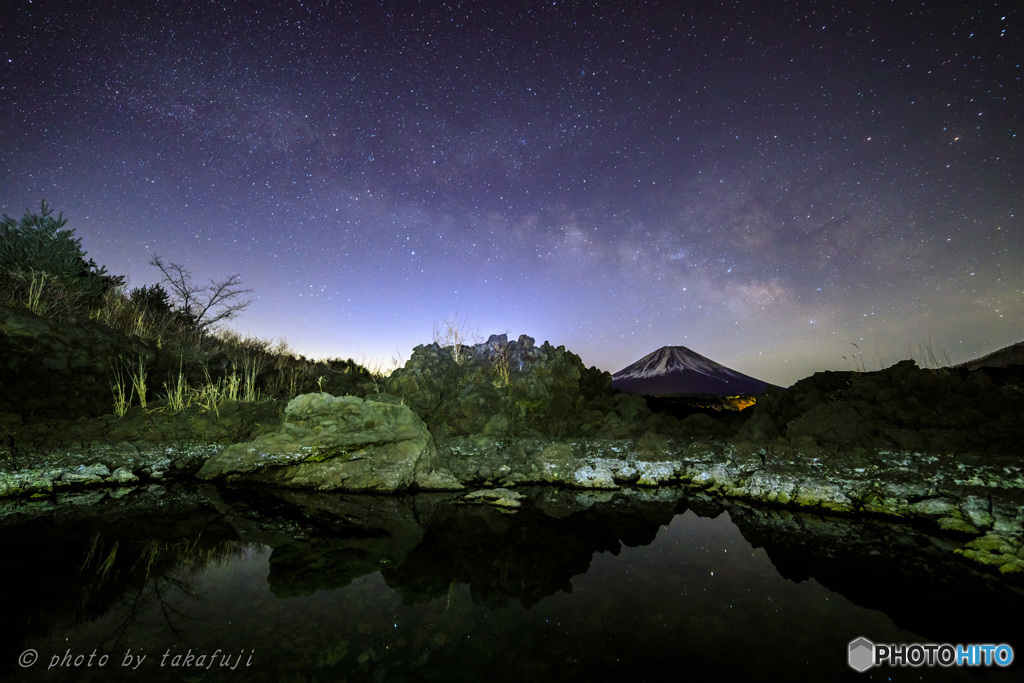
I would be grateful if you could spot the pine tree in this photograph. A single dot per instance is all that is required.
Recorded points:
(40, 244)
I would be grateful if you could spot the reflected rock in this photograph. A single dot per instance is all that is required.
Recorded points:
(896, 568)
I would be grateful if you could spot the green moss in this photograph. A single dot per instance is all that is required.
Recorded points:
(1013, 567)
(986, 558)
(991, 543)
(957, 524)
(327, 454)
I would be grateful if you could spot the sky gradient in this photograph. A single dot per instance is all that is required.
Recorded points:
(765, 183)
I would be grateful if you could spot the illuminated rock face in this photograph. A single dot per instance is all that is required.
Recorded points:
(513, 389)
(676, 370)
(330, 443)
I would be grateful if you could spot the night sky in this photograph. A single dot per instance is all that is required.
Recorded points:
(767, 183)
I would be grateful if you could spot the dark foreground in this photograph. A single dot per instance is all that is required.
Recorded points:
(238, 584)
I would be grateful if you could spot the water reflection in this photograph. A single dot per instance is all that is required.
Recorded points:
(572, 586)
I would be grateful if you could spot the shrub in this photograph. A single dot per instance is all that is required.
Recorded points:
(153, 299)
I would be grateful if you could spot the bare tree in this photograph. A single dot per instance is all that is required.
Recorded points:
(204, 306)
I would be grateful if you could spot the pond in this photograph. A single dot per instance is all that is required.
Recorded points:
(172, 584)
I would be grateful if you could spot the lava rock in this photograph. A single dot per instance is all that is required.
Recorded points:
(514, 389)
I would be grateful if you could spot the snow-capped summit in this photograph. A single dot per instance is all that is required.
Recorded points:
(676, 370)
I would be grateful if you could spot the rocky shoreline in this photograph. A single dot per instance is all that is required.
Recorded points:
(936, 449)
(978, 506)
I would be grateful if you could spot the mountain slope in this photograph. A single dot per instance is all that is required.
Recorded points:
(676, 370)
(1010, 355)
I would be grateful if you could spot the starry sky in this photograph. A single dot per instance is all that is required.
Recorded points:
(779, 186)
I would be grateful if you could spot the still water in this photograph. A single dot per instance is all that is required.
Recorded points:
(206, 584)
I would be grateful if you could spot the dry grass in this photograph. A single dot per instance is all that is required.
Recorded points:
(927, 354)
(256, 368)
(499, 362)
(210, 395)
(122, 399)
(41, 293)
(129, 381)
(930, 354)
(453, 335)
(178, 395)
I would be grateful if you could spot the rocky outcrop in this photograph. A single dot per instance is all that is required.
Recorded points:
(514, 389)
(332, 443)
(903, 407)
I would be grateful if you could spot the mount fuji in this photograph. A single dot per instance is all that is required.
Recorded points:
(676, 370)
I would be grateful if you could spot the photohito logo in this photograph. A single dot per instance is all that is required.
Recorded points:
(863, 654)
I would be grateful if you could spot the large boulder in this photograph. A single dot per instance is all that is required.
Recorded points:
(336, 443)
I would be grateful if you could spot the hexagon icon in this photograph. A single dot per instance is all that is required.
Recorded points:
(862, 654)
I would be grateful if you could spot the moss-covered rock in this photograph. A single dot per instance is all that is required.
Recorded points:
(333, 443)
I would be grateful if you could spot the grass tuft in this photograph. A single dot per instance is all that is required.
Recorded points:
(452, 336)
(128, 381)
(931, 355)
(179, 397)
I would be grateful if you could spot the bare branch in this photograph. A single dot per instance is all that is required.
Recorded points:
(204, 306)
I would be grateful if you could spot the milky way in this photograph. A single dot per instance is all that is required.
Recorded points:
(768, 185)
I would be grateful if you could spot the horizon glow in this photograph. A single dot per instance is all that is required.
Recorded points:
(765, 185)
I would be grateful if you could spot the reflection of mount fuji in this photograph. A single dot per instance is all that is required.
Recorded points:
(678, 371)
